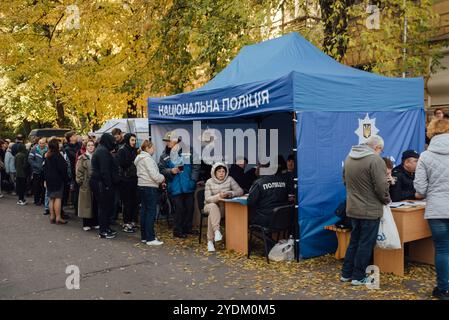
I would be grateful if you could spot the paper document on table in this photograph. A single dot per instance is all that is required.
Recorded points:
(242, 200)
(398, 204)
(417, 203)
(402, 204)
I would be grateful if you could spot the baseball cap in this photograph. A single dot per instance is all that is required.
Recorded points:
(168, 136)
(409, 154)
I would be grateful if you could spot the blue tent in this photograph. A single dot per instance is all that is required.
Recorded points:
(336, 106)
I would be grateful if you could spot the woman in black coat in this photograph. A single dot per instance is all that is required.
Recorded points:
(55, 177)
(128, 182)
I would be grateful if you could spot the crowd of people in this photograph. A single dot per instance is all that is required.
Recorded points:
(372, 182)
(103, 177)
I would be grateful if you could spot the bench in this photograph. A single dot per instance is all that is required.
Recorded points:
(343, 238)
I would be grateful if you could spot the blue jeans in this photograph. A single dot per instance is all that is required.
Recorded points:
(148, 198)
(47, 205)
(440, 236)
(360, 249)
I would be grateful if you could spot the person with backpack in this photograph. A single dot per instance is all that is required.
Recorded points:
(128, 181)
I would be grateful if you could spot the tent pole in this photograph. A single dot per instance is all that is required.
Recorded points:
(296, 217)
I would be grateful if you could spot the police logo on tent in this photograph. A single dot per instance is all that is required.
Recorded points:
(367, 128)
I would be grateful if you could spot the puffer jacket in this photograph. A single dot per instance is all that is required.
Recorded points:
(215, 186)
(432, 177)
(147, 171)
(365, 177)
(9, 162)
(36, 159)
(184, 181)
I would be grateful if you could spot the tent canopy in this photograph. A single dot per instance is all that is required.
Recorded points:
(287, 74)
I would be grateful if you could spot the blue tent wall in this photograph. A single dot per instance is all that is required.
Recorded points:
(324, 140)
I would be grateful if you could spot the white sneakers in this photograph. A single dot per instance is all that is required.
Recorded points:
(210, 246)
(21, 203)
(218, 236)
(87, 228)
(155, 242)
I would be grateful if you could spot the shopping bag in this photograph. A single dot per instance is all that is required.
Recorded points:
(282, 251)
(388, 235)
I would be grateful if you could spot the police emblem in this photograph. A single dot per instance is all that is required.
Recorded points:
(367, 128)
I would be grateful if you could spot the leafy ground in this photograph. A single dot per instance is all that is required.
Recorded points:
(35, 255)
(314, 278)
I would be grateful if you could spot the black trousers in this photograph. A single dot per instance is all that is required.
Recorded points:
(128, 195)
(21, 184)
(104, 200)
(38, 188)
(183, 213)
(75, 195)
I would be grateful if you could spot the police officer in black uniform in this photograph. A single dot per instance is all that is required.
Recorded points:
(269, 192)
(404, 174)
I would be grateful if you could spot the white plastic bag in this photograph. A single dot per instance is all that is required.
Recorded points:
(282, 251)
(388, 235)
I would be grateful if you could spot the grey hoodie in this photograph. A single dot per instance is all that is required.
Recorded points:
(432, 177)
(360, 151)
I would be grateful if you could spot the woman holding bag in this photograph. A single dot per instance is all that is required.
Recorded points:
(432, 182)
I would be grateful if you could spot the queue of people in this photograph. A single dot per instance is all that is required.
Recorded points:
(110, 175)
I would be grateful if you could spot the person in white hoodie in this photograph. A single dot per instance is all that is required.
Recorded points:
(218, 187)
(432, 182)
(148, 181)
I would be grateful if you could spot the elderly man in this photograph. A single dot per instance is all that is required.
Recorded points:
(404, 174)
(182, 175)
(365, 177)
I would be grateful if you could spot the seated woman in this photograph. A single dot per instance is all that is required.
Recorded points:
(219, 186)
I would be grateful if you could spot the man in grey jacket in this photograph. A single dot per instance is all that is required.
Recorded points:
(367, 191)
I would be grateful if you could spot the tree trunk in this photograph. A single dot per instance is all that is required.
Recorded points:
(60, 117)
(131, 111)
